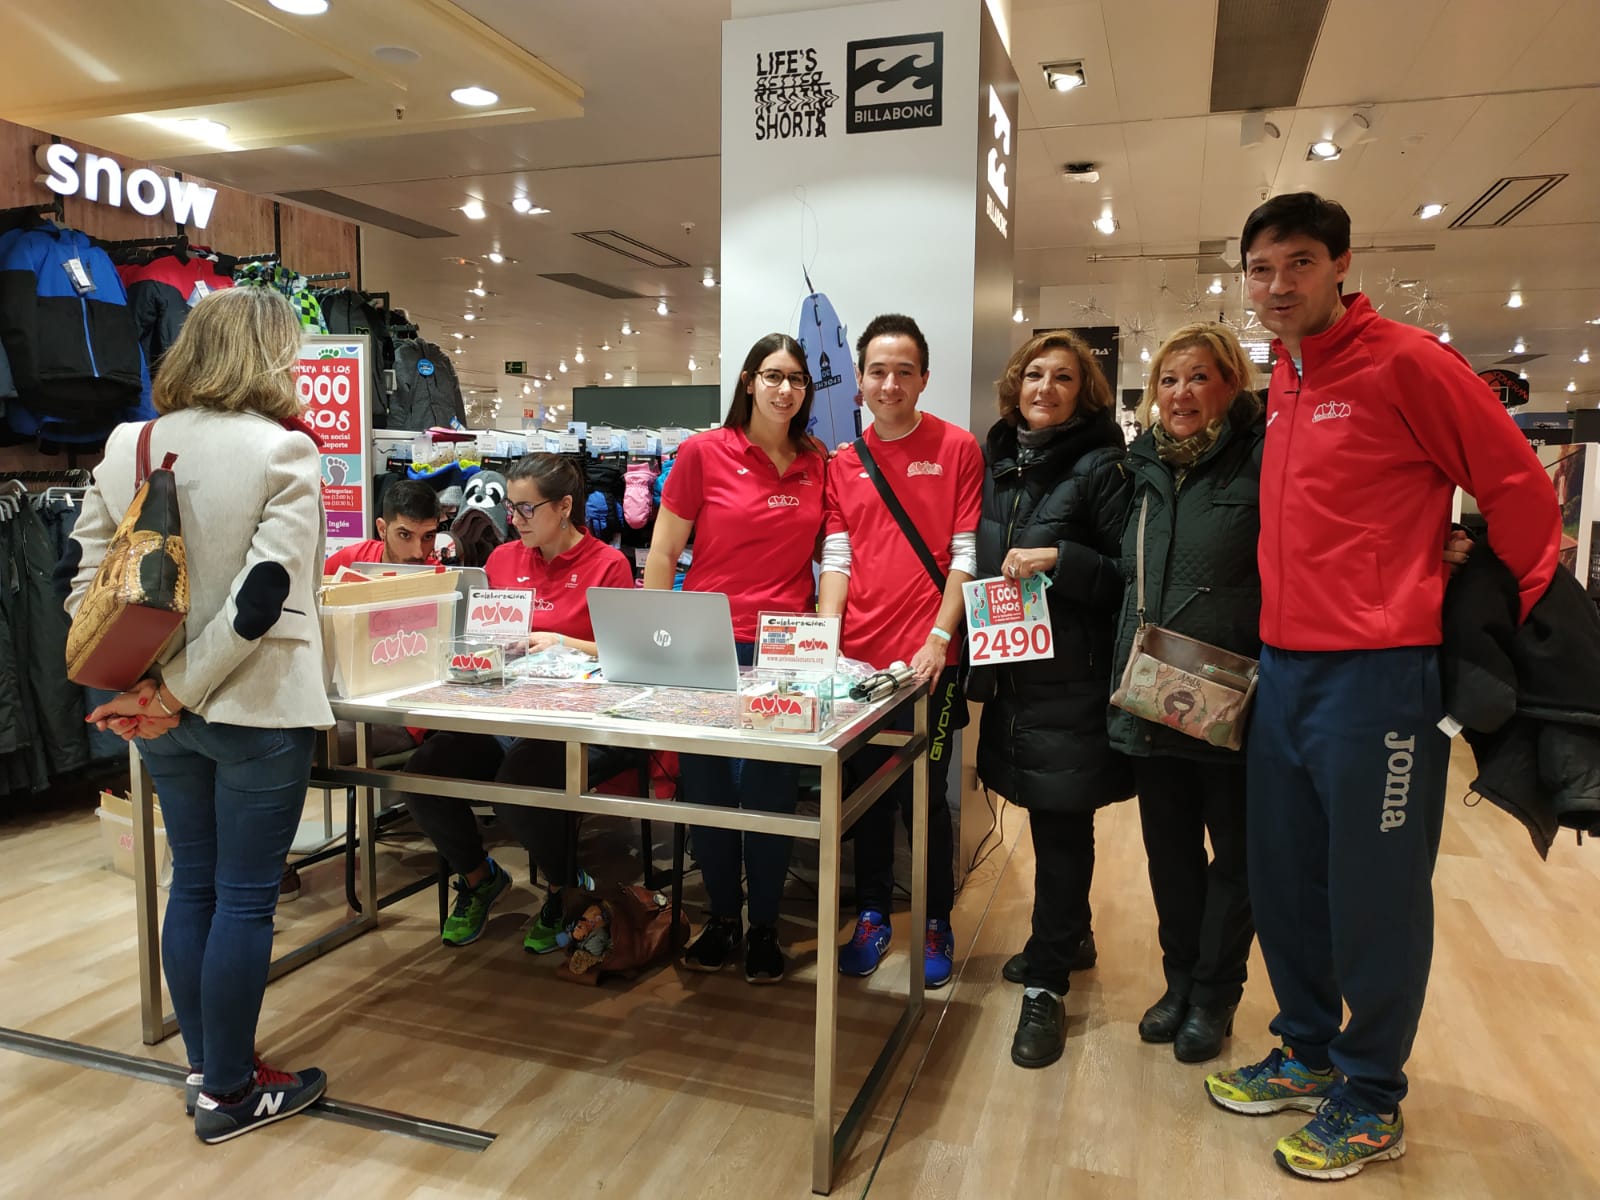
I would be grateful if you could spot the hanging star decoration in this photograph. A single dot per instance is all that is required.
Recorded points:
(1136, 329)
(1391, 282)
(1090, 308)
(1163, 288)
(1424, 306)
(1245, 322)
(1193, 300)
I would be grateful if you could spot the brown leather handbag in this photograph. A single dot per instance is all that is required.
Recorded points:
(140, 595)
(1181, 682)
(642, 934)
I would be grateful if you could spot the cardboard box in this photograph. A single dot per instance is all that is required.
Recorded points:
(116, 837)
(388, 633)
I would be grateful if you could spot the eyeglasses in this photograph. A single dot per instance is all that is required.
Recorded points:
(523, 509)
(773, 378)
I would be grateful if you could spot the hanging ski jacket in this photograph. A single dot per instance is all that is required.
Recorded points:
(162, 291)
(73, 348)
(427, 392)
(291, 285)
(348, 311)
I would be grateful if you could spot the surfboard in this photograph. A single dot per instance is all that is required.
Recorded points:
(836, 411)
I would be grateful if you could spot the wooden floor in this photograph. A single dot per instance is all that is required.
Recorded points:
(694, 1086)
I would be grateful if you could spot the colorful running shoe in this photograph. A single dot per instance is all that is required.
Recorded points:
(465, 922)
(938, 954)
(1277, 1082)
(544, 935)
(1340, 1140)
(865, 950)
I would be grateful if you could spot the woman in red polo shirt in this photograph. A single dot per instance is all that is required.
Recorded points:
(558, 560)
(751, 492)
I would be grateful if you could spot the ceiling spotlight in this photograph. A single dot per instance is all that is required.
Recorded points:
(495, 256)
(1572, 385)
(477, 291)
(608, 374)
(578, 357)
(301, 8)
(1144, 354)
(1215, 287)
(1254, 129)
(1584, 356)
(1429, 211)
(709, 279)
(548, 377)
(626, 328)
(1520, 348)
(1064, 76)
(1106, 224)
(473, 210)
(605, 345)
(1323, 151)
(459, 350)
(562, 366)
(1352, 131)
(474, 97)
(526, 388)
(1444, 335)
(692, 367)
(1596, 321)
(661, 307)
(1514, 300)
(1019, 317)
(469, 316)
(458, 335)
(538, 383)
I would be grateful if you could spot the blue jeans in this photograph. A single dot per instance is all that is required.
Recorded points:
(231, 798)
(756, 786)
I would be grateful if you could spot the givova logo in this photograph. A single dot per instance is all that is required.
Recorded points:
(895, 83)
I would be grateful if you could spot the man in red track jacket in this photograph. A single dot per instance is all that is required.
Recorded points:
(1371, 425)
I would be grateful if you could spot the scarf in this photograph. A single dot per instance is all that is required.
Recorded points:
(1184, 452)
(1032, 443)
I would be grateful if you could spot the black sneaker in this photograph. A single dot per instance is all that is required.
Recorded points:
(273, 1096)
(763, 959)
(717, 943)
(1041, 1033)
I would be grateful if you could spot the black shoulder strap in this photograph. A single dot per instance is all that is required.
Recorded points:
(899, 514)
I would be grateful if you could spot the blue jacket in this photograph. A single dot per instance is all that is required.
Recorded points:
(75, 359)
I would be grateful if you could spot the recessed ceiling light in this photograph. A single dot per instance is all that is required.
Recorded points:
(458, 335)
(661, 307)
(477, 291)
(1019, 316)
(1572, 385)
(608, 374)
(1106, 224)
(1144, 354)
(521, 203)
(473, 210)
(1514, 300)
(1323, 151)
(301, 8)
(398, 55)
(1520, 348)
(469, 316)
(606, 345)
(1216, 286)
(1584, 357)
(563, 367)
(459, 350)
(1596, 321)
(1444, 335)
(526, 388)
(475, 97)
(1429, 211)
(626, 328)
(578, 357)
(495, 256)
(548, 377)
(1064, 76)
(709, 279)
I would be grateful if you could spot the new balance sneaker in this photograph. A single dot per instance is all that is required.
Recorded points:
(544, 935)
(464, 925)
(867, 945)
(1277, 1082)
(272, 1096)
(763, 958)
(717, 943)
(1340, 1140)
(938, 954)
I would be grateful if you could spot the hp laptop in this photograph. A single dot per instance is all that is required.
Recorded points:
(665, 639)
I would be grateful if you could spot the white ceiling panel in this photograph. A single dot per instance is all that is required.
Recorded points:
(1161, 57)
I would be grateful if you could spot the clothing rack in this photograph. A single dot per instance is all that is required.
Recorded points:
(77, 477)
(326, 276)
(270, 256)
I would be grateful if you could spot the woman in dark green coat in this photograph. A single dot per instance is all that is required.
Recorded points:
(1196, 470)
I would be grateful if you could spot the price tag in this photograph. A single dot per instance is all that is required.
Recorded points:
(201, 291)
(1007, 620)
(804, 643)
(569, 443)
(82, 281)
(674, 437)
(508, 610)
(638, 441)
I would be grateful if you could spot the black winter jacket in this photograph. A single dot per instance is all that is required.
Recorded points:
(426, 390)
(1042, 743)
(1528, 696)
(1200, 572)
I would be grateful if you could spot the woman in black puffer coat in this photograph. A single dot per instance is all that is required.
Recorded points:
(1054, 499)
(1197, 472)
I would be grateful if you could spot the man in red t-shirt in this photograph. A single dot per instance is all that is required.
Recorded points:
(406, 531)
(892, 611)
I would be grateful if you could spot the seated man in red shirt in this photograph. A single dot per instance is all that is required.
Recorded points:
(406, 531)
(558, 560)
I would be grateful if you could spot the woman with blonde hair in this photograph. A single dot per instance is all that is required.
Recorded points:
(1054, 496)
(226, 719)
(1196, 471)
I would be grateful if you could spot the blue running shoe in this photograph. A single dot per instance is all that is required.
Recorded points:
(866, 949)
(938, 954)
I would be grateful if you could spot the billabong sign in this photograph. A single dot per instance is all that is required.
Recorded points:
(146, 192)
(895, 83)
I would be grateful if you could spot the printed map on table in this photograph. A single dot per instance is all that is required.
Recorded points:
(571, 700)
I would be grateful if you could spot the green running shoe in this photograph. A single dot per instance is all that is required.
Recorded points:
(464, 925)
(1340, 1140)
(1277, 1082)
(544, 935)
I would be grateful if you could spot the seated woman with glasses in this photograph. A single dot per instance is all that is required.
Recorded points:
(751, 492)
(558, 560)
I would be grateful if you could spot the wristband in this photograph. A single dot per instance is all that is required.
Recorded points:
(163, 703)
(939, 633)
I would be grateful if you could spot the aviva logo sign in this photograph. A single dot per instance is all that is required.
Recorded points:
(100, 179)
